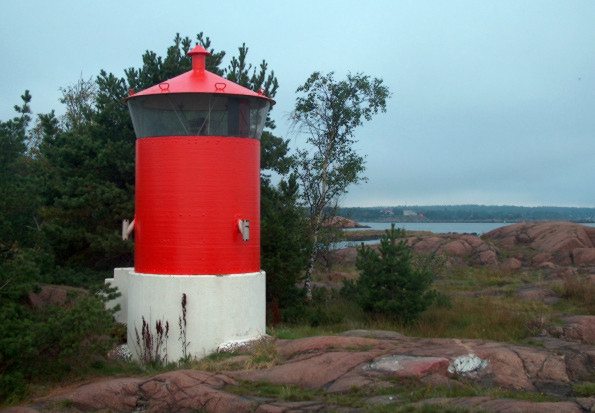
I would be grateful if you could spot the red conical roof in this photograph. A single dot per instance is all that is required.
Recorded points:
(199, 80)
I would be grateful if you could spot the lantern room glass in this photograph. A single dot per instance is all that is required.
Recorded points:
(192, 114)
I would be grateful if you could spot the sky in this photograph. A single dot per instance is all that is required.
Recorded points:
(493, 102)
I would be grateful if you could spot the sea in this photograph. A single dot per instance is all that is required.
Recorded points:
(477, 228)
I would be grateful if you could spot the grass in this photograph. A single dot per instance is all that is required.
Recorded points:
(579, 293)
(584, 389)
(405, 391)
(492, 318)
(477, 278)
(258, 355)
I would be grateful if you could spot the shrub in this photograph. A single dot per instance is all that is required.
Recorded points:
(390, 284)
(50, 343)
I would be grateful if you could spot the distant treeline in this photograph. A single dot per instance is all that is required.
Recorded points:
(467, 213)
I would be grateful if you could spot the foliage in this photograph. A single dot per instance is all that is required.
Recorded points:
(284, 242)
(390, 284)
(328, 111)
(48, 344)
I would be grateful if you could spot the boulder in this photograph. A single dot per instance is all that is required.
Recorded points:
(426, 245)
(457, 248)
(511, 264)
(583, 256)
(488, 258)
(549, 241)
(60, 295)
(579, 328)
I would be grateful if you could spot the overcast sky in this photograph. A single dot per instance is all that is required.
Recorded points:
(493, 102)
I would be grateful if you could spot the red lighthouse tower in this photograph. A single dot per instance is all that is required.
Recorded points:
(197, 218)
(197, 174)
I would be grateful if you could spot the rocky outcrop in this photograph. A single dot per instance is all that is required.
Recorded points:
(342, 222)
(489, 404)
(458, 249)
(58, 295)
(561, 243)
(335, 364)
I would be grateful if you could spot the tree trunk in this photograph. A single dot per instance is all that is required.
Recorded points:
(310, 268)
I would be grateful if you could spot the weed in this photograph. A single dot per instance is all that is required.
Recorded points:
(183, 325)
(152, 347)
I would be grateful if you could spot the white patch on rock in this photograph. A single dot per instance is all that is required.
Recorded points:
(121, 352)
(234, 345)
(468, 365)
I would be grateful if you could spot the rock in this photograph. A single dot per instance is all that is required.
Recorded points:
(457, 248)
(381, 400)
(313, 372)
(121, 352)
(511, 264)
(188, 390)
(110, 394)
(566, 272)
(341, 363)
(587, 403)
(488, 404)
(488, 258)
(578, 357)
(579, 328)
(342, 222)
(468, 366)
(548, 265)
(516, 367)
(377, 334)
(60, 295)
(289, 348)
(426, 245)
(541, 258)
(583, 256)
(410, 366)
(557, 240)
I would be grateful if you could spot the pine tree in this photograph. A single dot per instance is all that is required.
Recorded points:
(390, 284)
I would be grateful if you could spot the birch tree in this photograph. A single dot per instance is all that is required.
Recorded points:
(328, 112)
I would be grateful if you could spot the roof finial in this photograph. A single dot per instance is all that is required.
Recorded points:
(198, 55)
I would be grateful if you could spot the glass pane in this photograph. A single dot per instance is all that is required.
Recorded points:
(198, 115)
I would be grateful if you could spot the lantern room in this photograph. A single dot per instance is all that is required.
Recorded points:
(197, 199)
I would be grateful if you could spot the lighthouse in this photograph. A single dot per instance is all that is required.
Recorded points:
(197, 214)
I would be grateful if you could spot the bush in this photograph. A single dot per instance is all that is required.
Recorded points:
(390, 284)
(49, 343)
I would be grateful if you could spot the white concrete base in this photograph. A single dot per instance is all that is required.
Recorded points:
(120, 281)
(219, 309)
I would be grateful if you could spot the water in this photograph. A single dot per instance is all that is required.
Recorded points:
(478, 228)
(438, 227)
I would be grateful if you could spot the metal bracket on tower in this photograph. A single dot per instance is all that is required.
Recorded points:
(244, 228)
(127, 228)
